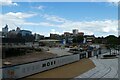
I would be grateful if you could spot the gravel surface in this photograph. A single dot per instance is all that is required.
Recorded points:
(29, 57)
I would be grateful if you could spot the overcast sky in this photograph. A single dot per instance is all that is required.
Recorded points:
(98, 18)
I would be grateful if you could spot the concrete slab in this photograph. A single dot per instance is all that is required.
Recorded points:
(105, 68)
(67, 71)
(59, 51)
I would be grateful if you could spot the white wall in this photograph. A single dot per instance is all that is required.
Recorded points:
(35, 67)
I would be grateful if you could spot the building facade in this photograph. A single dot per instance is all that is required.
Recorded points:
(25, 32)
(38, 37)
(55, 36)
(75, 32)
(5, 31)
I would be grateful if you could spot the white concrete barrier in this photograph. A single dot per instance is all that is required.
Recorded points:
(22, 70)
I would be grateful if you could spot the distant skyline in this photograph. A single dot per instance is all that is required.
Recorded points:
(98, 18)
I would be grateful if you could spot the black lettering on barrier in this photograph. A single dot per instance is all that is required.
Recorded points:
(48, 63)
(54, 62)
(51, 63)
(44, 65)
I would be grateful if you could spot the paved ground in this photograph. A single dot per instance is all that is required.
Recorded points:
(67, 71)
(59, 51)
(105, 68)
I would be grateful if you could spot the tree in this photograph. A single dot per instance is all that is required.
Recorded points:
(112, 42)
(111, 39)
(78, 39)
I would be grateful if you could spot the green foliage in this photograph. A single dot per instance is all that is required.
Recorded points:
(112, 41)
(78, 39)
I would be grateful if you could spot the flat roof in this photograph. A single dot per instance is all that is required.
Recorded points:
(49, 40)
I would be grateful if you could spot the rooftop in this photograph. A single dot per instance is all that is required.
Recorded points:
(49, 40)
